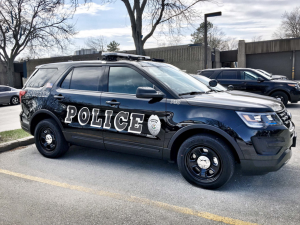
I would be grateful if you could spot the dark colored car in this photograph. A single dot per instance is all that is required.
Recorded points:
(251, 80)
(273, 77)
(153, 109)
(9, 95)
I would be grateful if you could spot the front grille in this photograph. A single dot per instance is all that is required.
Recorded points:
(285, 118)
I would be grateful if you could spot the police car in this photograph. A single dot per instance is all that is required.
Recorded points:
(138, 105)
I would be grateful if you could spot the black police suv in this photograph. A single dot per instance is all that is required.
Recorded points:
(254, 81)
(149, 108)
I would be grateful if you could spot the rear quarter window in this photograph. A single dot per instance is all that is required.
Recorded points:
(207, 73)
(40, 78)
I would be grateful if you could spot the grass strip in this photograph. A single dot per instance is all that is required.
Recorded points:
(12, 135)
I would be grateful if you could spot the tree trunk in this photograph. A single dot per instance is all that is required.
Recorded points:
(10, 72)
(139, 45)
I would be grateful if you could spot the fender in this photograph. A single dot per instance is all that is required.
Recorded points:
(45, 111)
(206, 127)
(279, 89)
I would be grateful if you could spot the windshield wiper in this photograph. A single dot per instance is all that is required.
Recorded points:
(191, 93)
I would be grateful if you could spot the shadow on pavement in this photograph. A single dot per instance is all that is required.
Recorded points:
(261, 184)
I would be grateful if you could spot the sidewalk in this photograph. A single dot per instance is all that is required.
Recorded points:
(9, 117)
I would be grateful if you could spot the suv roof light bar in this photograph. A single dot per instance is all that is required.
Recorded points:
(113, 56)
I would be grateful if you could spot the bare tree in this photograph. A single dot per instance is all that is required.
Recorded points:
(216, 38)
(257, 38)
(230, 44)
(290, 25)
(172, 14)
(31, 24)
(98, 43)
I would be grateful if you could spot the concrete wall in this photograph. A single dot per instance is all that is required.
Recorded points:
(184, 57)
(4, 78)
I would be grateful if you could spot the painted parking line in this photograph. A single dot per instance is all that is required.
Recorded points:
(135, 199)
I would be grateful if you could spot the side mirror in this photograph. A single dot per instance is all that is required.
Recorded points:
(230, 87)
(260, 79)
(213, 83)
(148, 92)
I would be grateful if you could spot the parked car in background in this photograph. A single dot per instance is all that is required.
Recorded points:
(273, 77)
(9, 95)
(221, 88)
(251, 80)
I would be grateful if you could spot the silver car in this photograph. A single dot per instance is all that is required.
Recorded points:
(9, 95)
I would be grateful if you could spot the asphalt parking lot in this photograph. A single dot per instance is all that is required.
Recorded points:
(9, 117)
(89, 186)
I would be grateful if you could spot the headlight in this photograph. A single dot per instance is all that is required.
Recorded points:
(260, 120)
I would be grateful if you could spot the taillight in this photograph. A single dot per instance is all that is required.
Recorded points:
(21, 94)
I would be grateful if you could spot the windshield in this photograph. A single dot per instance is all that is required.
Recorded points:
(178, 81)
(262, 74)
(206, 80)
(265, 72)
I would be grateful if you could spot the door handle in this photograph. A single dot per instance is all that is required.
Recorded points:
(112, 103)
(59, 97)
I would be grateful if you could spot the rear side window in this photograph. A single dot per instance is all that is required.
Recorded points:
(2, 89)
(228, 75)
(83, 78)
(126, 80)
(40, 78)
(207, 73)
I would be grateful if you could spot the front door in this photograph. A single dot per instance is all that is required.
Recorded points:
(251, 82)
(131, 124)
(78, 99)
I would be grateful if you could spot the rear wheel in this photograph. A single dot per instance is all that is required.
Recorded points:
(205, 161)
(282, 96)
(14, 100)
(49, 139)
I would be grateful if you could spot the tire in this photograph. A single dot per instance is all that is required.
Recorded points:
(212, 154)
(14, 100)
(283, 96)
(49, 130)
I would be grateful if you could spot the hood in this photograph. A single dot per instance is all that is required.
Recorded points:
(237, 100)
(274, 77)
(285, 81)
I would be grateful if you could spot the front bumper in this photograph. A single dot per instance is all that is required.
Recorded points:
(295, 96)
(260, 160)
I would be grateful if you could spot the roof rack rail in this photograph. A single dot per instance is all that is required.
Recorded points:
(113, 56)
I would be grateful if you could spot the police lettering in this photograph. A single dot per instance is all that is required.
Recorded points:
(121, 120)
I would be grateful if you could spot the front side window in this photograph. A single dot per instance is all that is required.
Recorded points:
(177, 80)
(248, 75)
(126, 80)
(3, 89)
(40, 78)
(83, 78)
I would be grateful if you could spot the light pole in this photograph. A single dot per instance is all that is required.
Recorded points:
(205, 33)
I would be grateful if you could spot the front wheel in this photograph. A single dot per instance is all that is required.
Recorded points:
(14, 100)
(282, 96)
(49, 139)
(205, 161)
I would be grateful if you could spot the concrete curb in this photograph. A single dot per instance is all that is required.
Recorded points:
(17, 143)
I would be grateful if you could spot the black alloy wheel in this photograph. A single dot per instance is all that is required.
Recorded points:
(49, 139)
(282, 96)
(206, 161)
(14, 100)
(203, 163)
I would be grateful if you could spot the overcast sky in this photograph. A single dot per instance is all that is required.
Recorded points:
(241, 19)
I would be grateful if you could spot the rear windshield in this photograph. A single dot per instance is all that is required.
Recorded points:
(40, 78)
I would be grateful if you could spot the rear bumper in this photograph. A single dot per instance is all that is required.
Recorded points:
(25, 124)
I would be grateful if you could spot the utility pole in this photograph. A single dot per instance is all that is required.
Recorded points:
(205, 34)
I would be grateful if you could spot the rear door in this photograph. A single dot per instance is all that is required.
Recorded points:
(231, 77)
(77, 101)
(5, 95)
(131, 124)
